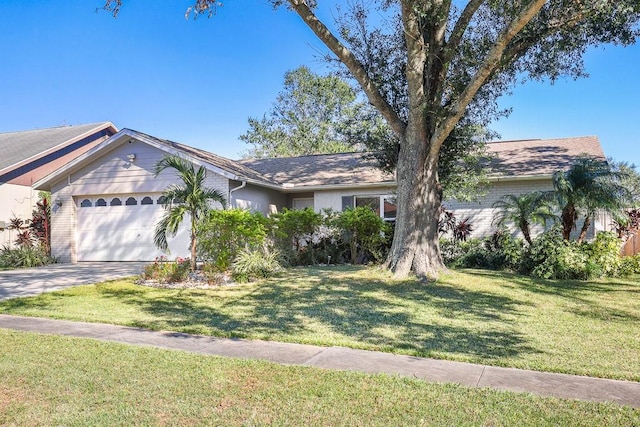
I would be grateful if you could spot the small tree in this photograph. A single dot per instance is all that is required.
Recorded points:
(293, 228)
(523, 211)
(589, 185)
(191, 197)
(364, 231)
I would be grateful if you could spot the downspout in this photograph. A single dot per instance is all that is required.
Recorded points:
(231, 190)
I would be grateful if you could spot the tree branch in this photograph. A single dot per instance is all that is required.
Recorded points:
(488, 67)
(460, 27)
(354, 66)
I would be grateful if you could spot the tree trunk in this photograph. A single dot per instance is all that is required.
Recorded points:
(584, 229)
(415, 243)
(568, 220)
(526, 232)
(193, 244)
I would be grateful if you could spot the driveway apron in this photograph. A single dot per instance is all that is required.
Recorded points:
(34, 281)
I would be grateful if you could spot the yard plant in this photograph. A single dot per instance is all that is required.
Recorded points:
(190, 198)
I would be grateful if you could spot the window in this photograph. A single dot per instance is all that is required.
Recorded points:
(101, 202)
(302, 203)
(162, 200)
(369, 202)
(115, 202)
(389, 207)
(147, 201)
(86, 203)
(383, 205)
(131, 201)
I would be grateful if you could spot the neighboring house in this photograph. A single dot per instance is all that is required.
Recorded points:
(107, 201)
(28, 156)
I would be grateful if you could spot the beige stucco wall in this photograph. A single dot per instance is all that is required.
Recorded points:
(18, 201)
(257, 199)
(111, 174)
(332, 199)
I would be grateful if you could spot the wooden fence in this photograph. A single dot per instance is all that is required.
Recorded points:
(631, 246)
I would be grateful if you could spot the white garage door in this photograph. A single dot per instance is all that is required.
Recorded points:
(121, 228)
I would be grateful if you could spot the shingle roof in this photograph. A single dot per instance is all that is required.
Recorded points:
(18, 146)
(322, 169)
(512, 158)
(540, 156)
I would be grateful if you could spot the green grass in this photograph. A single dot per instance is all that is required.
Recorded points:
(585, 328)
(49, 380)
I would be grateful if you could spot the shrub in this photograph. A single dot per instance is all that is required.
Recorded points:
(251, 264)
(452, 251)
(501, 251)
(550, 256)
(224, 233)
(165, 271)
(629, 265)
(504, 251)
(365, 233)
(292, 230)
(604, 254)
(475, 255)
(449, 224)
(24, 257)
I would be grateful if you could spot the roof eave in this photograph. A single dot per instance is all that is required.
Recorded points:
(538, 177)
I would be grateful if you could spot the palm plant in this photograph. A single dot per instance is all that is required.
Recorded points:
(589, 185)
(190, 197)
(523, 210)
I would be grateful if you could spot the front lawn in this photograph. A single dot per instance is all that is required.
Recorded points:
(586, 328)
(49, 380)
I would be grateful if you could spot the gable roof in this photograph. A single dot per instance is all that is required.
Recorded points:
(218, 164)
(536, 157)
(19, 146)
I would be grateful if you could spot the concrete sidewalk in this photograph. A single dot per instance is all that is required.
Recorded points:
(539, 383)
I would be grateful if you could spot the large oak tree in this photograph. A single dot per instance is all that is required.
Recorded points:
(457, 57)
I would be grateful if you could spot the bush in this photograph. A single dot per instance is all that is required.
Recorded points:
(629, 265)
(505, 251)
(501, 251)
(365, 233)
(604, 252)
(24, 257)
(164, 271)
(224, 233)
(251, 264)
(475, 255)
(550, 256)
(292, 232)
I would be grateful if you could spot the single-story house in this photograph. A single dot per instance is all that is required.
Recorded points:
(28, 156)
(106, 201)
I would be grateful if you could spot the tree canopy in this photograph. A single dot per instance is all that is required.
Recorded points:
(314, 114)
(457, 57)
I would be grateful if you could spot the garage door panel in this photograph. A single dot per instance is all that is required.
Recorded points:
(125, 233)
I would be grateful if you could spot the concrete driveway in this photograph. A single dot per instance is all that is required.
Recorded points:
(34, 281)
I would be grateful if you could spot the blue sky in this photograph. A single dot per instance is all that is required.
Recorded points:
(198, 81)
